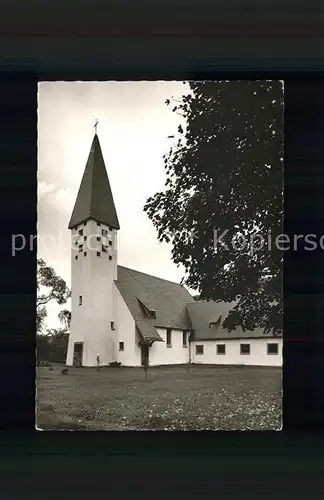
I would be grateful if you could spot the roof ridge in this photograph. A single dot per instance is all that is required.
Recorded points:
(152, 276)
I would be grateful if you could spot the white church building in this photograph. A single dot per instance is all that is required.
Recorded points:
(123, 315)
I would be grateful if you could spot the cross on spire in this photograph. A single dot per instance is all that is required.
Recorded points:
(95, 125)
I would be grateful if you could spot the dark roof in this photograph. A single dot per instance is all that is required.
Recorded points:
(95, 199)
(168, 299)
(202, 313)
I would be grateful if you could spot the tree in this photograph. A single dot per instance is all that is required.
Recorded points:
(65, 318)
(225, 174)
(49, 287)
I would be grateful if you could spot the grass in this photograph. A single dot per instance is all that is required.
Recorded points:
(173, 398)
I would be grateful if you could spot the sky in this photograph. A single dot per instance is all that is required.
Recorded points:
(133, 129)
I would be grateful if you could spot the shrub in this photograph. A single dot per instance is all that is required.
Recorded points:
(115, 363)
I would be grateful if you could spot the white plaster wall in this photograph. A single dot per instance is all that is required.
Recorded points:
(160, 354)
(258, 353)
(126, 332)
(92, 277)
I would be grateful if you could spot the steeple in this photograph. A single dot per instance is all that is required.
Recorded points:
(95, 199)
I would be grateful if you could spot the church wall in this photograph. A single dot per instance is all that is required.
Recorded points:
(160, 354)
(126, 332)
(258, 352)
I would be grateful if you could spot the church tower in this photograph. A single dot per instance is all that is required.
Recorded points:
(94, 225)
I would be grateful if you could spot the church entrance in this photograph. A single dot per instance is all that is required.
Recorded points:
(144, 353)
(78, 354)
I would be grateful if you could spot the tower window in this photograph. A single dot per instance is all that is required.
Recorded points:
(112, 325)
(80, 248)
(121, 346)
(85, 254)
(184, 338)
(110, 257)
(110, 243)
(98, 224)
(104, 248)
(76, 257)
(81, 232)
(98, 238)
(98, 254)
(104, 232)
(80, 300)
(85, 238)
(168, 337)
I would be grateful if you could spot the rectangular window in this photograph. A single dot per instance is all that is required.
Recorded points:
(85, 254)
(112, 325)
(80, 300)
(81, 232)
(110, 257)
(121, 346)
(76, 257)
(104, 232)
(98, 238)
(184, 338)
(220, 349)
(98, 254)
(80, 248)
(110, 243)
(168, 337)
(199, 349)
(245, 348)
(104, 248)
(85, 238)
(272, 349)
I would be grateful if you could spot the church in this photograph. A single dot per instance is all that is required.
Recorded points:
(132, 318)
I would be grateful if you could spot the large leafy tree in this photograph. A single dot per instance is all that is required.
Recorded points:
(49, 287)
(224, 181)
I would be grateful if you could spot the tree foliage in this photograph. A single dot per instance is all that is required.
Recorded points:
(65, 318)
(49, 287)
(225, 173)
(52, 347)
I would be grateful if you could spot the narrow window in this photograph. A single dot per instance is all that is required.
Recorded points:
(272, 348)
(245, 348)
(76, 257)
(98, 254)
(85, 254)
(104, 248)
(199, 349)
(81, 232)
(220, 349)
(98, 238)
(110, 257)
(168, 337)
(110, 243)
(112, 325)
(80, 300)
(121, 346)
(80, 248)
(184, 338)
(85, 238)
(104, 232)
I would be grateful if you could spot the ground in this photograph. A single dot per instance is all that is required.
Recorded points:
(172, 398)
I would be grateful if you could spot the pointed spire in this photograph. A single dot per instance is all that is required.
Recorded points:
(95, 199)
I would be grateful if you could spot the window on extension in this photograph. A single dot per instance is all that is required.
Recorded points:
(184, 338)
(168, 337)
(272, 348)
(245, 348)
(199, 349)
